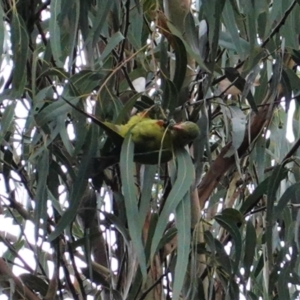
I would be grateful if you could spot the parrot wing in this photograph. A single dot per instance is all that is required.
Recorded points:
(144, 130)
(153, 141)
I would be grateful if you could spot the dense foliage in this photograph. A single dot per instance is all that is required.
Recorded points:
(82, 217)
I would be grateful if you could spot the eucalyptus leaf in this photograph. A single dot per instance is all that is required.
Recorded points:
(79, 186)
(182, 184)
(127, 166)
(183, 223)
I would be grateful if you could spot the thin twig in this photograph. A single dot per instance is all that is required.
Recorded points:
(280, 23)
(274, 31)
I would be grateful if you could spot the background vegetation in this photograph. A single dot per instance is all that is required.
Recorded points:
(219, 221)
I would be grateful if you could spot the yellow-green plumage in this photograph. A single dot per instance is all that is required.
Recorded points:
(149, 135)
(152, 135)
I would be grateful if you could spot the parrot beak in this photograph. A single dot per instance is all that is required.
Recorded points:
(161, 122)
(177, 126)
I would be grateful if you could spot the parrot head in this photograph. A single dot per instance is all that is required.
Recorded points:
(184, 133)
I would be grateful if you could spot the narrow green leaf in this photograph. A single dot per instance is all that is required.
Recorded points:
(7, 120)
(229, 20)
(189, 50)
(145, 103)
(147, 188)
(114, 40)
(84, 19)
(191, 35)
(213, 8)
(180, 63)
(293, 79)
(52, 111)
(209, 239)
(131, 204)
(41, 192)
(170, 97)
(55, 34)
(227, 223)
(283, 280)
(289, 195)
(100, 19)
(73, 29)
(273, 185)
(2, 31)
(79, 186)
(258, 156)
(55, 202)
(136, 27)
(233, 214)
(35, 283)
(287, 89)
(80, 127)
(261, 90)
(83, 83)
(260, 190)
(117, 222)
(225, 41)
(20, 46)
(183, 182)
(250, 245)
(234, 291)
(297, 222)
(199, 144)
(62, 159)
(251, 19)
(64, 135)
(168, 236)
(183, 225)
(223, 258)
(126, 110)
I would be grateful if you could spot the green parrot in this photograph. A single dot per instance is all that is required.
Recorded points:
(152, 135)
(152, 138)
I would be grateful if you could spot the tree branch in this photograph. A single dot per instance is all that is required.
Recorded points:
(222, 163)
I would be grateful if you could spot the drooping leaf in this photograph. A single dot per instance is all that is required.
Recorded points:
(260, 190)
(79, 185)
(2, 31)
(132, 212)
(20, 46)
(170, 97)
(112, 43)
(183, 182)
(146, 195)
(188, 48)
(183, 224)
(180, 63)
(227, 223)
(229, 16)
(42, 191)
(273, 185)
(55, 32)
(7, 120)
(250, 243)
